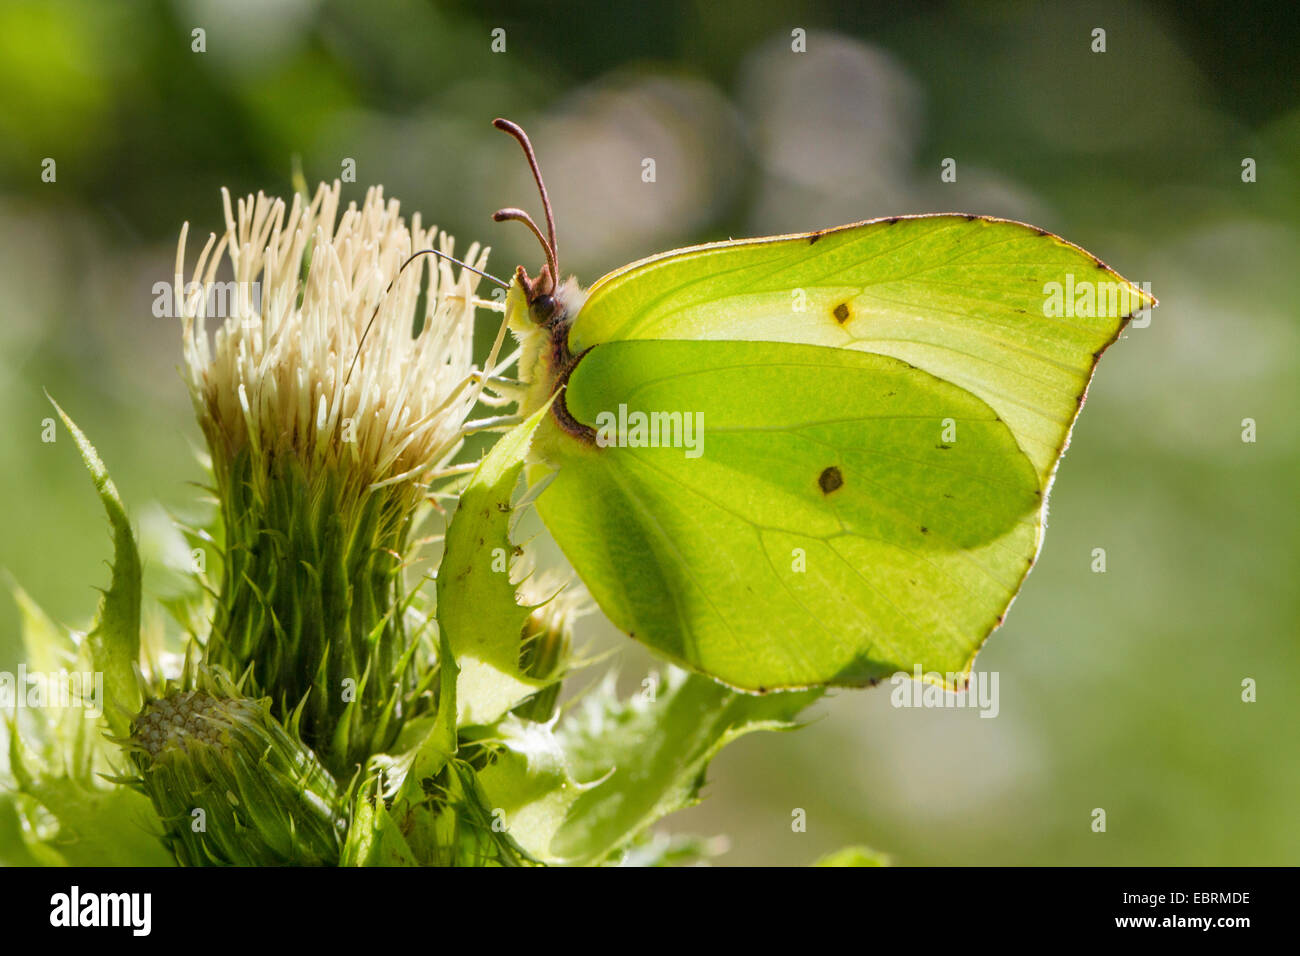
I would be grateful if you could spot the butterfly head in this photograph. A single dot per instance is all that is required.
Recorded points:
(540, 308)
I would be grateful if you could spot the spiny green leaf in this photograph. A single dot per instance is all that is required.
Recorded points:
(97, 826)
(650, 756)
(477, 606)
(672, 849)
(615, 768)
(18, 847)
(47, 646)
(530, 784)
(68, 739)
(115, 637)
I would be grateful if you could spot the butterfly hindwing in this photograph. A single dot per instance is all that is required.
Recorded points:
(813, 526)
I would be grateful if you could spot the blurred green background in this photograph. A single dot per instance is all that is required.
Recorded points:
(1119, 690)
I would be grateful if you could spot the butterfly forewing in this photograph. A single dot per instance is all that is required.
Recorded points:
(1011, 313)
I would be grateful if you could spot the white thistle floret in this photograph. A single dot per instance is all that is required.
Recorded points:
(286, 370)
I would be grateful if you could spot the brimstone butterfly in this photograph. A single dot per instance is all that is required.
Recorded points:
(812, 459)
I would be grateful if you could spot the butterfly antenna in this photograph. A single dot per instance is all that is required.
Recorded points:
(504, 215)
(411, 258)
(552, 249)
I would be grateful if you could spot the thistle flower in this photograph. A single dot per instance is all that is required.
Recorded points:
(328, 405)
(231, 785)
(286, 372)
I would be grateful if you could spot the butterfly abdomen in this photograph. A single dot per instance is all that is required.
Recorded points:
(560, 410)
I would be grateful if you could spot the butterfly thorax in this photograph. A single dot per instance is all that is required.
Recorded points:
(541, 324)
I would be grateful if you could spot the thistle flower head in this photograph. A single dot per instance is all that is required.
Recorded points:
(188, 719)
(287, 372)
(332, 388)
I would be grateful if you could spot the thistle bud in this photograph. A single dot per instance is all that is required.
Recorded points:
(233, 787)
(547, 639)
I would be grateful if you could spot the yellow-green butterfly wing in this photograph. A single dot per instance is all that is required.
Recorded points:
(811, 541)
(883, 406)
(962, 297)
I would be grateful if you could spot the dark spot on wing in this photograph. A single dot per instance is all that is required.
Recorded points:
(841, 313)
(830, 480)
(893, 219)
(924, 530)
(970, 216)
(814, 237)
(943, 446)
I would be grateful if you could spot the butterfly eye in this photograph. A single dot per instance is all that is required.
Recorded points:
(549, 311)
